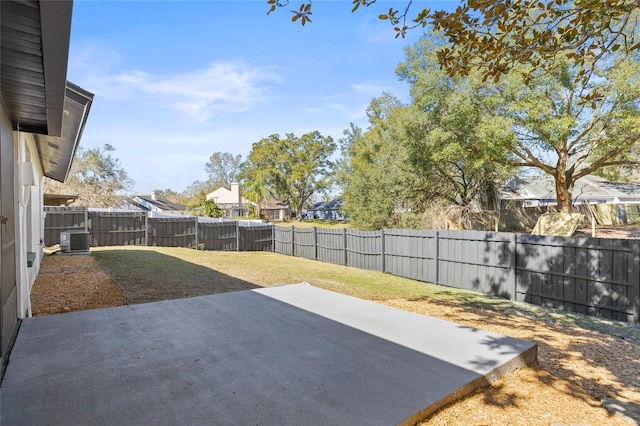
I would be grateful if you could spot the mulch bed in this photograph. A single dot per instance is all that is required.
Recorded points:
(68, 283)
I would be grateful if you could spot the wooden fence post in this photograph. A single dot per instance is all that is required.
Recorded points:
(273, 238)
(196, 219)
(437, 256)
(344, 242)
(146, 229)
(513, 273)
(634, 278)
(293, 241)
(315, 242)
(237, 235)
(382, 264)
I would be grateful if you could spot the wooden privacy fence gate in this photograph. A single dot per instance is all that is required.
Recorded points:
(599, 277)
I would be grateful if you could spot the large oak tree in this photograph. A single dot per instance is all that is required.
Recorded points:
(565, 131)
(292, 168)
(96, 177)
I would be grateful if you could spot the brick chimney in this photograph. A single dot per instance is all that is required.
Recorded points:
(235, 194)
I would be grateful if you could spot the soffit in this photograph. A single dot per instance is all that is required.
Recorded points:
(57, 153)
(34, 49)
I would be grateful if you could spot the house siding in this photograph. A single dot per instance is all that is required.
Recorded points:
(30, 221)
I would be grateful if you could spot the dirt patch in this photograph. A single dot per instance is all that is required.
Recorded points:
(577, 367)
(73, 283)
(618, 231)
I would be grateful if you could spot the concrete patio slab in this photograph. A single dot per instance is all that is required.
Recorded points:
(285, 355)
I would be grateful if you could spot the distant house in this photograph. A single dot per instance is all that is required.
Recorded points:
(533, 191)
(329, 210)
(275, 210)
(233, 204)
(230, 201)
(153, 204)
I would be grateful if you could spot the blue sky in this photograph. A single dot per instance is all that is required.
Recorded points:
(176, 81)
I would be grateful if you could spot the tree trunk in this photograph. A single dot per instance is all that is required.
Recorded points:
(564, 196)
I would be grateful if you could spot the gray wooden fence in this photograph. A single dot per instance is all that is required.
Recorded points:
(592, 276)
(112, 229)
(60, 219)
(136, 228)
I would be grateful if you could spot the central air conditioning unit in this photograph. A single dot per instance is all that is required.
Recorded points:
(75, 242)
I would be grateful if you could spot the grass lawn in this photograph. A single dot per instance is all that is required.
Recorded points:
(180, 266)
(181, 272)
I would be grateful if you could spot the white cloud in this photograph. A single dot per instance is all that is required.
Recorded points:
(335, 105)
(93, 57)
(222, 86)
(369, 88)
(230, 85)
(351, 103)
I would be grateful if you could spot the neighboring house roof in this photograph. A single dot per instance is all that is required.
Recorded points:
(162, 204)
(274, 205)
(328, 205)
(231, 198)
(586, 188)
(37, 97)
(226, 196)
(133, 203)
(150, 204)
(59, 199)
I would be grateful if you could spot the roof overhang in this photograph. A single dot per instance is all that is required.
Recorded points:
(57, 152)
(34, 51)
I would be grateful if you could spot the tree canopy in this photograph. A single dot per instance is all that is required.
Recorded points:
(196, 193)
(254, 190)
(375, 171)
(452, 138)
(223, 169)
(565, 131)
(292, 169)
(96, 177)
(438, 149)
(460, 138)
(498, 36)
